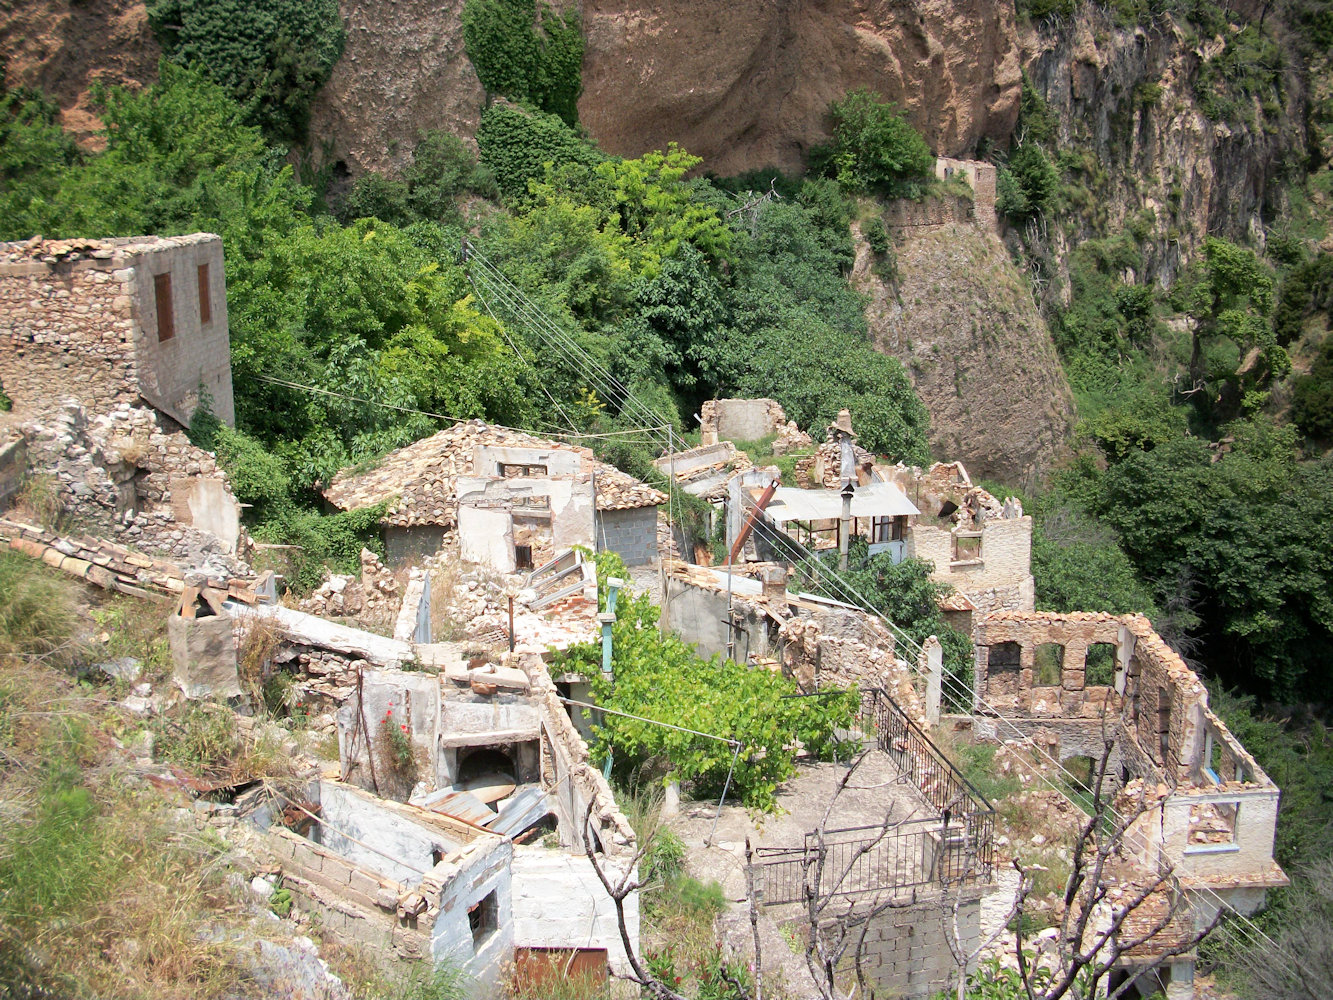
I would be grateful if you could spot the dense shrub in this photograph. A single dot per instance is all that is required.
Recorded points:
(1026, 186)
(527, 53)
(271, 57)
(1312, 400)
(516, 144)
(874, 147)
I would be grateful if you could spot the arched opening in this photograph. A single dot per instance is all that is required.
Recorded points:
(489, 774)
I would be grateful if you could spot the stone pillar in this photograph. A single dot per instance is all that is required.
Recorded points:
(932, 655)
(203, 652)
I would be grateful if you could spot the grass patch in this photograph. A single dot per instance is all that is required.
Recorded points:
(37, 611)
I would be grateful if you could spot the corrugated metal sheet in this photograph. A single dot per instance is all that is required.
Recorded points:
(459, 805)
(874, 500)
(520, 812)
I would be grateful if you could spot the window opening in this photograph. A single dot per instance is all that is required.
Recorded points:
(166, 319)
(1048, 664)
(1004, 657)
(519, 470)
(966, 548)
(1213, 824)
(523, 557)
(482, 919)
(1099, 665)
(205, 296)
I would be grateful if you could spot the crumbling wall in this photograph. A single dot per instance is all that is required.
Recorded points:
(750, 420)
(998, 577)
(13, 465)
(981, 176)
(585, 805)
(124, 475)
(930, 212)
(848, 649)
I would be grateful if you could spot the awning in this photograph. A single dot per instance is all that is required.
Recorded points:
(875, 500)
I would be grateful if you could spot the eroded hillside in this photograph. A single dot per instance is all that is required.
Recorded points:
(963, 322)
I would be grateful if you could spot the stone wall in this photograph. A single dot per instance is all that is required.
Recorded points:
(997, 578)
(81, 321)
(981, 176)
(631, 534)
(127, 476)
(936, 210)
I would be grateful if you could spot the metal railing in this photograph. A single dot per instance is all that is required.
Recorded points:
(922, 762)
(953, 847)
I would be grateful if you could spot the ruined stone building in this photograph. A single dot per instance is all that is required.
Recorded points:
(106, 322)
(513, 499)
(1201, 807)
(977, 544)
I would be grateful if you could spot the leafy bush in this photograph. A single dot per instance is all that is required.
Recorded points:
(442, 168)
(516, 144)
(271, 57)
(659, 677)
(1312, 397)
(874, 148)
(526, 53)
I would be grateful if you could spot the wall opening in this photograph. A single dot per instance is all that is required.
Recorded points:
(205, 296)
(1002, 663)
(509, 470)
(166, 318)
(966, 548)
(523, 557)
(483, 919)
(1213, 824)
(1099, 665)
(1048, 664)
(1164, 722)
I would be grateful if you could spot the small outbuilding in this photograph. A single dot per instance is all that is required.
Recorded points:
(514, 500)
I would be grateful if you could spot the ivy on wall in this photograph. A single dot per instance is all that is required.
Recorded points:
(527, 53)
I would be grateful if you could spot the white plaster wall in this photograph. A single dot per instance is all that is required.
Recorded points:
(487, 459)
(214, 510)
(486, 537)
(171, 373)
(1253, 847)
(560, 903)
(348, 818)
(572, 515)
(414, 698)
(483, 869)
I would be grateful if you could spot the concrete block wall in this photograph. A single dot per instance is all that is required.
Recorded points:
(905, 951)
(631, 534)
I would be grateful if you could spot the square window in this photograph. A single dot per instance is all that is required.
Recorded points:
(483, 919)
(1048, 664)
(1099, 665)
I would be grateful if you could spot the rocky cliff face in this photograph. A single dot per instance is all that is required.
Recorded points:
(62, 46)
(403, 70)
(747, 84)
(962, 320)
(1128, 98)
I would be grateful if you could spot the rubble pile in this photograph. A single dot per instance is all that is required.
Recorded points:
(372, 599)
(125, 475)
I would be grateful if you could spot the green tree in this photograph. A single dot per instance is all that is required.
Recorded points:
(517, 144)
(1026, 186)
(34, 155)
(271, 57)
(874, 147)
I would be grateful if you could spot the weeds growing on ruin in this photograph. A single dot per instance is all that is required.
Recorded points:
(37, 616)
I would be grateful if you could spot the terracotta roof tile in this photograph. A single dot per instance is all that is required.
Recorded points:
(419, 479)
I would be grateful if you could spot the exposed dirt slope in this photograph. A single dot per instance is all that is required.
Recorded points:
(403, 70)
(62, 46)
(747, 84)
(962, 321)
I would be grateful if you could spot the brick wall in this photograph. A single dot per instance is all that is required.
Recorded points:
(632, 534)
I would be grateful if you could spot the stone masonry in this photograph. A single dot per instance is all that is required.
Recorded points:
(81, 318)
